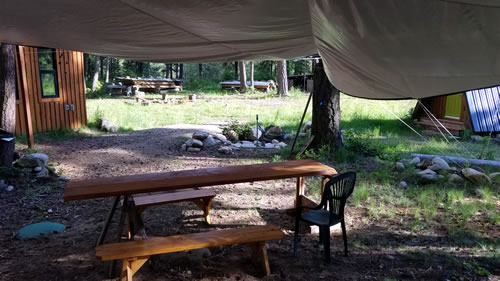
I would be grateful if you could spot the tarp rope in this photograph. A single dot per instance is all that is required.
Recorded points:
(415, 131)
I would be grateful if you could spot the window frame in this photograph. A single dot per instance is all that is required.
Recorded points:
(48, 71)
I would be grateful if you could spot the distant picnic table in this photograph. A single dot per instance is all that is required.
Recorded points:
(259, 85)
(152, 84)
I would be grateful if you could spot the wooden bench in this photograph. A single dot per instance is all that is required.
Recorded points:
(135, 253)
(200, 197)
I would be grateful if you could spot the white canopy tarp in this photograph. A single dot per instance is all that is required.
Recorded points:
(384, 49)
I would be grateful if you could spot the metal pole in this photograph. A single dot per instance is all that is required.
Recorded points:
(301, 121)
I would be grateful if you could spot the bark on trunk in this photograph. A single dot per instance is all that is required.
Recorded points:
(252, 67)
(7, 101)
(236, 70)
(181, 71)
(176, 71)
(108, 59)
(282, 78)
(243, 77)
(326, 110)
(96, 73)
(200, 70)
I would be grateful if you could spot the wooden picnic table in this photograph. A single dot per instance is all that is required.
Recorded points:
(174, 180)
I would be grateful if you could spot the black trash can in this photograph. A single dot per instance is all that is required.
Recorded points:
(7, 144)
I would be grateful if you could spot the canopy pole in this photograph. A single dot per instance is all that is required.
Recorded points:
(300, 125)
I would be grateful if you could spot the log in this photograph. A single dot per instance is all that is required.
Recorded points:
(460, 160)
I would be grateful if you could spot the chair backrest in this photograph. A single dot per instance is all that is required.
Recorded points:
(336, 192)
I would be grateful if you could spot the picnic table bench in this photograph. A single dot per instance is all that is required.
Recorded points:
(135, 253)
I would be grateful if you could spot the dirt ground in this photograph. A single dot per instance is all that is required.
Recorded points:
(375, 249)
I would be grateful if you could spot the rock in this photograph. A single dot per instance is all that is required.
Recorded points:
(232, 135)
(184, 147)
(236, 146)
(113, 129)
(289, 136)
(2, 184)
(476, 138)
(196, 143)
(29, 162)
(430, 178)
(455, 179)
(269, 146)
(273, 132)
(434, 167)
(63, 178)
(193, 149)
(49, 211)
(403, 184)
(414, 161)
(220, 137)
(10, 188)
(427, 172)
(200, 135)
(275, 141)
(254, 134)
(441, 163)
(495, 177)
(247, 144)
(282, 144)
(479, 169)
(307, 126)
(44, 173)
(400, 166)
(225, 150)
(475, 176)
(106, 125)
(478, 192)
(42, 156)
(209, 142)
(37, 169)
(424, 164)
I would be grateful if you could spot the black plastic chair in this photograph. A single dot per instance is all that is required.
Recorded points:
(330, 211)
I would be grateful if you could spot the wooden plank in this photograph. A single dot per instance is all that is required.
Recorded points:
(26, 99)
(124, 185)
(81, 93)
(76, 83)
(172, 197)
(63, 91)
(186, 242)
(71, 73)
(19, 103)
(37, 92)
(30, 73)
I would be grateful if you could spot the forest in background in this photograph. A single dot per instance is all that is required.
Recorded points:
(108, 68)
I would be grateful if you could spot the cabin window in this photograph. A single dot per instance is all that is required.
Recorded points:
(48, 73)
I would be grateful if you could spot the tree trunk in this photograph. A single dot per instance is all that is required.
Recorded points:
(243, 77)
(139, 66)
(236, 70)
(200, 70)
(96, 73)
(101, 70)
(108, 59)
(282, 78)
(176, 71)
(251, 74)
(7, 101)
(181, 71)
(326, 110)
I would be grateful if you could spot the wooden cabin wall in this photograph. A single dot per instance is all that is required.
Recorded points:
(50, 113)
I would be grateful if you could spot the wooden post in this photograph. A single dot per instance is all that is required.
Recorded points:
(26, 98)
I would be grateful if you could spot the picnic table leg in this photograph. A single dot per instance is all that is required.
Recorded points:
(108, 221)
(120, 231)
(136, 223)
(204, 204)
(299, 191)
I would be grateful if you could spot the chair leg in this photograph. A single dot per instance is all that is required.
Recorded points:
(296, 236)
(326, 242)
(344, 234)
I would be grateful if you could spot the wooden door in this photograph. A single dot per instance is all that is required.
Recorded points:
(453, 108)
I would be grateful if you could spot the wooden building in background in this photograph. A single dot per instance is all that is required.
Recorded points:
(477, 110)
(50, 90)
